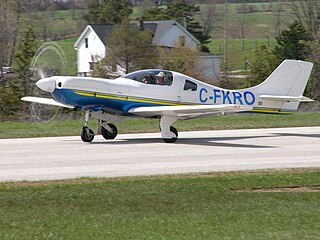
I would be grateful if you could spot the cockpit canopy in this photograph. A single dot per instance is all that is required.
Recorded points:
(159, 77)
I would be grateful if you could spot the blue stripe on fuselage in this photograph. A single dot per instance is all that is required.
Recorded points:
(70, 97)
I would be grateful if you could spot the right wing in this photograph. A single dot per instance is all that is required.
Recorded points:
(188, 111)
(47, 101)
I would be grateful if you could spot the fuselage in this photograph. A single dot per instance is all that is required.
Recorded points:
(127, 92)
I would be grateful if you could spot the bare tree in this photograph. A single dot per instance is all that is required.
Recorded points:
(243, 25)
(277, 10)
(209, 17)
(308, 14)
(9, 22)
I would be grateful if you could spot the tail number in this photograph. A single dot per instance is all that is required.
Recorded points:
(217, 96)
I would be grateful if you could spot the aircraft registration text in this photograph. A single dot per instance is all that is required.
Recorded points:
(226, 97)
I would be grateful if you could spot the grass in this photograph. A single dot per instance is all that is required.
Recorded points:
(136, 125)
(67, 46)
(177, 207)
(239, 50)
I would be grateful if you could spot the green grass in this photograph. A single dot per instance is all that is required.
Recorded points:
(137, 125)
(67, 46)
(239, 50)
(177, 207)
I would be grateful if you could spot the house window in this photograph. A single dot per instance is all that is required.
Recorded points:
(190, 86)
(182, 41)
(86, 42)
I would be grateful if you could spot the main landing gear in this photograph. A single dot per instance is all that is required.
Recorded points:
(108, 130)
(169, 133)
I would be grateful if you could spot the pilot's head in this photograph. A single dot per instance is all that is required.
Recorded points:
(160, 74)
(160, 78)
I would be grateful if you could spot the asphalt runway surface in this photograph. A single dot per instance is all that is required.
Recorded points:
(146, 154)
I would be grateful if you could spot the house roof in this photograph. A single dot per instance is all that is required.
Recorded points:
(163, 26)
(157, 29)
(102, 31)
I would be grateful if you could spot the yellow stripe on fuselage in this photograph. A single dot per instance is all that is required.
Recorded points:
(270, 110)
(128, 98)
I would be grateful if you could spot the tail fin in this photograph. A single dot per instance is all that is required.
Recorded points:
(285, 86)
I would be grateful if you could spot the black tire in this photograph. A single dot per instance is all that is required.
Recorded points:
(172, 140)
(109, 135)
(87, 135)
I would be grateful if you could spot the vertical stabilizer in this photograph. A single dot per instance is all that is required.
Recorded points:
(285, 85)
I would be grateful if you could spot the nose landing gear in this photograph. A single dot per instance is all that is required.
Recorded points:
(87, 135)
(108, 130)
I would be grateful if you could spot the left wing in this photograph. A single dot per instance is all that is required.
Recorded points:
(47, 101)
(189, 111)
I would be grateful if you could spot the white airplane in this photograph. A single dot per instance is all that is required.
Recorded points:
(170, 96)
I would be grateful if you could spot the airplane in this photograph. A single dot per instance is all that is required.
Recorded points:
(171, 96)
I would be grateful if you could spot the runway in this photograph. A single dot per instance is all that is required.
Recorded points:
(146, 154)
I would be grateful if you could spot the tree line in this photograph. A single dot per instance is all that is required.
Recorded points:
(299, 41)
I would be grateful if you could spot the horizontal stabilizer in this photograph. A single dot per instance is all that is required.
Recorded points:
(47, 101)
(286, 98)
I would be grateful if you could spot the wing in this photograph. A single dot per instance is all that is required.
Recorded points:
(189, 111)
(47, 101)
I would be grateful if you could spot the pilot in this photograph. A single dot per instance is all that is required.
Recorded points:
(160, 78)
(148, 79)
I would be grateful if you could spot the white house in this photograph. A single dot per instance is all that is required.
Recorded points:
(91, 45)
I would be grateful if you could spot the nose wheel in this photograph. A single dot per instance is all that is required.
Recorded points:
(87, 135)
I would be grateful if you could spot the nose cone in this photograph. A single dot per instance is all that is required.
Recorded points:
(47, 84)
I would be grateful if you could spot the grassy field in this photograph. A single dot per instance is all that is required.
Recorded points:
(178, 207)
(137, 125)
(239, 50)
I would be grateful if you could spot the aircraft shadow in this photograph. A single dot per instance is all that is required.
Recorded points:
(211, 141)
(297, 135)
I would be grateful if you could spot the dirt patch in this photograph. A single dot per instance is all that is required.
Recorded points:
(315, 188)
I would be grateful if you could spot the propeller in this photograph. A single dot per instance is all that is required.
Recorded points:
(49, 60)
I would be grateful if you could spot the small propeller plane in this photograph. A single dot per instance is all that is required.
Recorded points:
(171, 96)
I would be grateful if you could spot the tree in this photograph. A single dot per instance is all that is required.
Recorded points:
(307, 13)
(107, 11)
(184, 60)
(23, 58)
(183, 13)
(313, 87)
(9, 22)
(277, 14)
(209, 17)
(262, 65)
(293, 43)
(126, 52)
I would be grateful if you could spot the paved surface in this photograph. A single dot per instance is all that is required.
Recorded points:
(146, 154)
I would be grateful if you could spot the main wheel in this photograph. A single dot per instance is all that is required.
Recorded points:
(109, 134)
(172, 140)
(87, 135)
